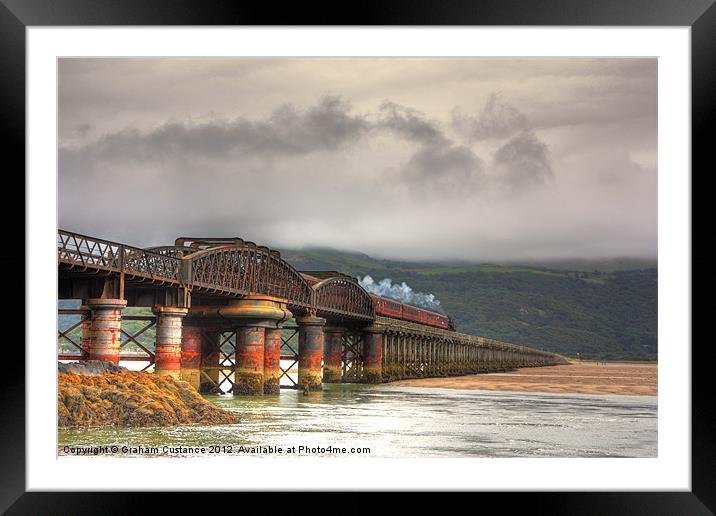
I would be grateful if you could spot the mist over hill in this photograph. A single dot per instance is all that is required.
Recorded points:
(604, 309)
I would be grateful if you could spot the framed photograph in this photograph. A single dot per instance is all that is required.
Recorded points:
(440, 249)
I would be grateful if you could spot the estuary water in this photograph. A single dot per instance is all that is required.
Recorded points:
(405, 422)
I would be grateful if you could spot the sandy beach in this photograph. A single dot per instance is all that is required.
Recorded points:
(576, 377)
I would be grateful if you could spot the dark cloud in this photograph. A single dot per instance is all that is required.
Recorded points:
(439, 166)
(497, 119)
(444, 169)
(523, 162)
(326, 126)
(410, 124)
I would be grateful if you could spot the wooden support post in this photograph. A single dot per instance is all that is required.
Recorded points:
(403, 356)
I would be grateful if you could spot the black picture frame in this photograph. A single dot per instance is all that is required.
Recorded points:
(16, 15)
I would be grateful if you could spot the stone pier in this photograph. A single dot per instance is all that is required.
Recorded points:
(310, 352)
(106, 325)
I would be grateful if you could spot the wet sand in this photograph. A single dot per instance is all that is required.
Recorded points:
(577, 377)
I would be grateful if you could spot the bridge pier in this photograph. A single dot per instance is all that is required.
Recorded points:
(249, 375)
(256, 323)
(310, 352)
(272, 360)
(167, 354)
(190, 365)
(333, 354)
(373, 354)
(106, 327)
(252, 315)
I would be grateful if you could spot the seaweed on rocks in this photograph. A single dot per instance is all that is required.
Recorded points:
(129, 398)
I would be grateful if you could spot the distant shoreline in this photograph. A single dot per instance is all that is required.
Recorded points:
(586, 377)
(634, 362)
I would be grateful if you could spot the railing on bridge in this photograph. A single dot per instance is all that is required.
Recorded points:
(228, 270)
(87, 253)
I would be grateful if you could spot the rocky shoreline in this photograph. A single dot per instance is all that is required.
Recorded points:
(99, 394)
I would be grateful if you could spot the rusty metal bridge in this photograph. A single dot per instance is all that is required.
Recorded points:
(229, 310)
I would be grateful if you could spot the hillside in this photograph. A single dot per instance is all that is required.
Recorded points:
(595, 308)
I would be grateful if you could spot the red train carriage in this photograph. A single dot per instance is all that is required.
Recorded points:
(390, 308)
(436, 319)
(410, 313)
(387, 307)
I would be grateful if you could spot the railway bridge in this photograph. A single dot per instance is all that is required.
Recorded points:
(229, 310)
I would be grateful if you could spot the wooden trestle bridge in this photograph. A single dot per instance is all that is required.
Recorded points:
(228, 310)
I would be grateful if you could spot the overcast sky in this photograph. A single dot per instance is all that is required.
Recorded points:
(475, 159)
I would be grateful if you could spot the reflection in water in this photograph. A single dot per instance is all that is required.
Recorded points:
(417, 422)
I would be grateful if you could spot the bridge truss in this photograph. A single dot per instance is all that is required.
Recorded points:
(212, 275)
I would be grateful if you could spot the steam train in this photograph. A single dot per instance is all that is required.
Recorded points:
(390, 308)
(397, 310)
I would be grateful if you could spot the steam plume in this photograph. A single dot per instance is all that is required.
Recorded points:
(400, 292)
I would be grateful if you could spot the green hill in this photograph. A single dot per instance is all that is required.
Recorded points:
(591, 307)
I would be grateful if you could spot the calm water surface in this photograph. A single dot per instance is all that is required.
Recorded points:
(416, 422)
